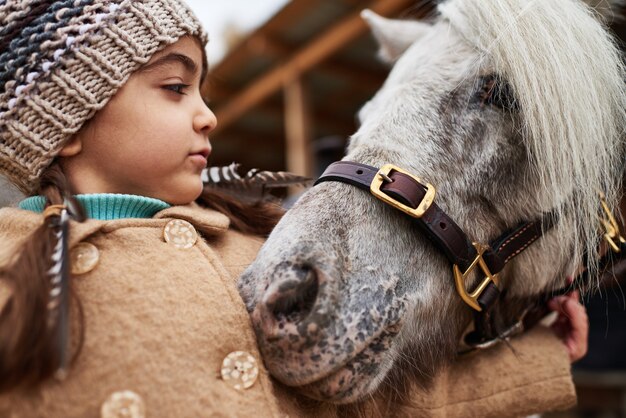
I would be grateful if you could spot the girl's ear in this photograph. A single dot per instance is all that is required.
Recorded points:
(73, 147)
(394, 36)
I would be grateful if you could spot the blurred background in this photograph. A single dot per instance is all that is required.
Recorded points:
(287, 78)
(286, 93)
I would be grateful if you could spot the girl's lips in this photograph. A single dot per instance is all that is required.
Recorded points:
(199, 159)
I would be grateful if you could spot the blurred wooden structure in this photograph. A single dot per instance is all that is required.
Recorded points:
(301, 76)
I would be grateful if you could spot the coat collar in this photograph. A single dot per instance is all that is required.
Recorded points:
(18, 222)
(208, 221)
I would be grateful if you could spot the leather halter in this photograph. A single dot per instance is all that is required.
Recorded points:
(407, 193)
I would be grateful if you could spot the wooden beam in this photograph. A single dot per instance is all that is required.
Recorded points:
(264, 45)
(256, 46)
(292, 12)
(322, 118)
(315, 52)
(298, 129)
(216, 91)
(362, 77)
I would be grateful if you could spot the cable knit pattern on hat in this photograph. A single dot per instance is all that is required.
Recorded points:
(61, 61)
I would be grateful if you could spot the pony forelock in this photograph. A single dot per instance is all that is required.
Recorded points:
(568, 77)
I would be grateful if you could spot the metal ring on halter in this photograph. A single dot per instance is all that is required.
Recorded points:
(515, 329)
(53, 210)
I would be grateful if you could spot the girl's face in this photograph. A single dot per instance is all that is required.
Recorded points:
(151, 139)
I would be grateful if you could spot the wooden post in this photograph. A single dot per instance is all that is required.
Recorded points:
(301, 62)
(298, 128)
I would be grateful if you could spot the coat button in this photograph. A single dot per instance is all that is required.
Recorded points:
(84, 258)
(181, 234)
(240, 370)
(125, 404)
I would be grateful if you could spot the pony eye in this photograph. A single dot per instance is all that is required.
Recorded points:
(494, 91)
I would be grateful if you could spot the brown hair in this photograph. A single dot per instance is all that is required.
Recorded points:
(257, 218)
(27, 352)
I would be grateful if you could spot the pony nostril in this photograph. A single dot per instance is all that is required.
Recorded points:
(296, 298)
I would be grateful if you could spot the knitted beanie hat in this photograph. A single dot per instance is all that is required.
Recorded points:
(61, 61)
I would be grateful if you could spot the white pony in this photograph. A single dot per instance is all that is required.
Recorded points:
(512, 109)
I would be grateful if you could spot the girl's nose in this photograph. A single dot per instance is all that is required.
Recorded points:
(205, 120)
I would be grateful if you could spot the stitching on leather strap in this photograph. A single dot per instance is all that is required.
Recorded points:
(508, 241)
(533, 239)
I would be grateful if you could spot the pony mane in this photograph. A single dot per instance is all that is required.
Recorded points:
(567, 75)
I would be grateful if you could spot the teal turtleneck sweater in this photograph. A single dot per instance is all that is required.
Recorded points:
(106, 207)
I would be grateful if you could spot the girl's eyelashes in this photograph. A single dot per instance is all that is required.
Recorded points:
(178, 88)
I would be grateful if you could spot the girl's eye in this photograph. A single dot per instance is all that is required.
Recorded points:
(177, 88)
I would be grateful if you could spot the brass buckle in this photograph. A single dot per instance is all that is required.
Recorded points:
(459, 278)
(611, 227)
(383, 175)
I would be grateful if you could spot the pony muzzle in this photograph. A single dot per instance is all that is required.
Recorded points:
(288, 302)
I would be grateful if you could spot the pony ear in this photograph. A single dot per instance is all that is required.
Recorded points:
(608, 11)
(394, 36)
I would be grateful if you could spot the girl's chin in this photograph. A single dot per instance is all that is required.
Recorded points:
(184, 194)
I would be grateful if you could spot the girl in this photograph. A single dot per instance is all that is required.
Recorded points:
(118, 291)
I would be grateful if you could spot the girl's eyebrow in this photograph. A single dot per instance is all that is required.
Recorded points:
(173, 57)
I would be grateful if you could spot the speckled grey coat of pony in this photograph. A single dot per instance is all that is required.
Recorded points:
(511, 108)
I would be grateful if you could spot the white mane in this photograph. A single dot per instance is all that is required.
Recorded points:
(568, 77)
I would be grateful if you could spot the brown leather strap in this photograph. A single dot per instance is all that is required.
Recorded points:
(513, 242)
(439, 227)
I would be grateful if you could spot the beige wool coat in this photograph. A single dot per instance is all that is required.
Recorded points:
(160, 320)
